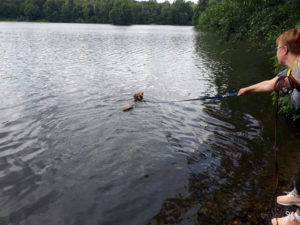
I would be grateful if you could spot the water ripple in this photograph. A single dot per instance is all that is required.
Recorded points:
(67, 146)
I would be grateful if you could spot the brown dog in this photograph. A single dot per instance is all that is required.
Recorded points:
(138, 96)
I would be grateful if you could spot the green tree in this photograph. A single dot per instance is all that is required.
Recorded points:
(32, 11)
(181, 12)
(67, 11)
(121, 12)
(137, 11)
(199, 8)
(10, 9)
(165, 13)
(52, 10)
(151, 11)
(101, 11)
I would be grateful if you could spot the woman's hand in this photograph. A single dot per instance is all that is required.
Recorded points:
(243, 91)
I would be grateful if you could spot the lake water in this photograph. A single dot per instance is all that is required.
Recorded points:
(69, 155)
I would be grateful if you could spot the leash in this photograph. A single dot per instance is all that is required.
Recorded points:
(196, 99)
(275, 153)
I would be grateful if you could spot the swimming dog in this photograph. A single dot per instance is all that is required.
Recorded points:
(138, 97)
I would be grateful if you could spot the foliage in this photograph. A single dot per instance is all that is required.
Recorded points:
(255, 20)
(32, 10)
(222, 17)
(122, 12)
(287, 108)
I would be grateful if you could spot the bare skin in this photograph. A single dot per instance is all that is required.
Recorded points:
(284, 57)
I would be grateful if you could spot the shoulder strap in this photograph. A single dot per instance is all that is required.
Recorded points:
(289, 72)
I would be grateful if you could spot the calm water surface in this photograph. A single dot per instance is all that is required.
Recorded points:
(70, 155)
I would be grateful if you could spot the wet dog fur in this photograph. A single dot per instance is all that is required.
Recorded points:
(138, 96)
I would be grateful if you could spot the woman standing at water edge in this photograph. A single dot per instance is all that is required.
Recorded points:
(288, 54)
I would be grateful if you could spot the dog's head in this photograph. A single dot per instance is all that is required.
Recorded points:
(138, 96)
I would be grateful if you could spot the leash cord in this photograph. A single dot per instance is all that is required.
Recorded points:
(196, 99)
(275, 157)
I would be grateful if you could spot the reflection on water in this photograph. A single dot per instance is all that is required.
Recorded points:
(69, 155)
(233, 182)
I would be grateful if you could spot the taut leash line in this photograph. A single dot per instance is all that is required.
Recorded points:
(139, 97)
(196, 99)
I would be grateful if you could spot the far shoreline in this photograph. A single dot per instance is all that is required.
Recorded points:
(74, 22)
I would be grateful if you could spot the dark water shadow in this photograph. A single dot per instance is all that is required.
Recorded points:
(232, 175)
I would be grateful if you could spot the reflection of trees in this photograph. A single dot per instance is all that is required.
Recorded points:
(232, 173)
(238, 191)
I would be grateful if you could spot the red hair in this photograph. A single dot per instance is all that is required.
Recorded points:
(291, 38)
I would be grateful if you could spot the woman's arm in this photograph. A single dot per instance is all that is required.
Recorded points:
(264, 86)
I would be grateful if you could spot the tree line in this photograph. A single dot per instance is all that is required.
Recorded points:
(122, 12)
